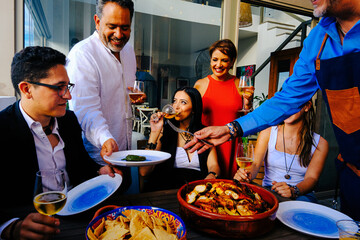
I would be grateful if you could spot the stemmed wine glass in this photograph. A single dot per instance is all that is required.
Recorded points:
(135, 94)
(138, 91)
(169, 111)
(246, 88)
(50, 191)
(245, 154)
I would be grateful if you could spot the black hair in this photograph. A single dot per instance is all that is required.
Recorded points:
(33, 64)
(195, 97)
(122, 3)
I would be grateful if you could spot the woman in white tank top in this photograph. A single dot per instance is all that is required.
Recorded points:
(293, 156)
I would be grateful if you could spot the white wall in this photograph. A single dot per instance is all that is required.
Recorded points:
(7, 49)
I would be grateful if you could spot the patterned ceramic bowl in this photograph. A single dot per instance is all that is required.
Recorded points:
(173, 220)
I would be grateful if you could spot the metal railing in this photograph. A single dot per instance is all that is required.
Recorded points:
(302, 27)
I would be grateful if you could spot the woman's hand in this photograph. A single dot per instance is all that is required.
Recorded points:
(248, 98)
(281, 188)
(243, 175)
(157, 121)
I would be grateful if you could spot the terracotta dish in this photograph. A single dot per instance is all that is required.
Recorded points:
(227, 226)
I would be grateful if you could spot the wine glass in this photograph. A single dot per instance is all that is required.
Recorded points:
(138, 91)
(245, 154)
(246, 88)
(50, 191)
(169, 111)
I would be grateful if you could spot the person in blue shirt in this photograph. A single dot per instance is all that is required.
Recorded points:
(329, 61)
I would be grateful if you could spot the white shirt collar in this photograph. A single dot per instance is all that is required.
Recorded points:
(31, 122)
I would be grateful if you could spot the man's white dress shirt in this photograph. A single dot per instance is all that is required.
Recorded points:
(100, 98)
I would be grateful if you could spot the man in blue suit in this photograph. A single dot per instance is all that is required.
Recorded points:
(38, 132)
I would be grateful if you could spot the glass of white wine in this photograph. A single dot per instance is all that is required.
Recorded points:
(50, 191)
(138, 91)
(246, 87)
(245, 154)
(169, 111)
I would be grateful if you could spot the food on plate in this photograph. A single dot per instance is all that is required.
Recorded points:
(134, 158)
(227, 198)
(136, 225)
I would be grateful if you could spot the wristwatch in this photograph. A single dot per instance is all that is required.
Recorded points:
(213, 173)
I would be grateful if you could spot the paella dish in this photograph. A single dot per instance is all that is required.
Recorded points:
(227, 198)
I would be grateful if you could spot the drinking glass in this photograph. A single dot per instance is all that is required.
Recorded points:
(50, 191)
(138, 91)
(169, 111)
(245, 154)
(246, 88)
(348, 229)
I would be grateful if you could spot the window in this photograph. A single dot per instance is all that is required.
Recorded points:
(167, 35)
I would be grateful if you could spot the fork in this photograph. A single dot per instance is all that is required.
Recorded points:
(176, 129)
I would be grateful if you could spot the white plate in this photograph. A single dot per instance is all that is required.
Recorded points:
(152, 158)
(310, 218)
(90, 193)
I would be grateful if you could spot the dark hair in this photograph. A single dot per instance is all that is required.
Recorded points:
(122, 3)
(306, 136)
(33, 64)
(226, 46)
(195, 96)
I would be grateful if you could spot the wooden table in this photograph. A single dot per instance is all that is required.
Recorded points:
(73, 227)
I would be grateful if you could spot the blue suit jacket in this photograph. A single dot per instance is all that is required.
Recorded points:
(19, 161)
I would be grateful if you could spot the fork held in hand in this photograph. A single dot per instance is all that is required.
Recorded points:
(176, 129)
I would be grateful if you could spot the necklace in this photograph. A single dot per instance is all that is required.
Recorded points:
(47, 129)
(186, 136)
(287, 175)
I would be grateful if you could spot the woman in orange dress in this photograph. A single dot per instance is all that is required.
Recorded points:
(222, 100)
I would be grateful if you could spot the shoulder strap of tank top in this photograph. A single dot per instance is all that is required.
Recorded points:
(320, 51)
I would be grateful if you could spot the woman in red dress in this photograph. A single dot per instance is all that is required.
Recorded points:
(222, 100)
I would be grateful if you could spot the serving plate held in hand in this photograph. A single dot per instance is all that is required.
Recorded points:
(152, 158)
(90, 193)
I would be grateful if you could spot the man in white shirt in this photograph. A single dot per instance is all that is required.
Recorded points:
(39, 133)
(103, 67)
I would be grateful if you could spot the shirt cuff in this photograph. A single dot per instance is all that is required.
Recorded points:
(104, 137)
(4, 225)
(248, 125)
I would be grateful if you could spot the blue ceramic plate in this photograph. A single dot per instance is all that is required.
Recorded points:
(152, 158)
(310, 218)
(174, 221)
(90, 193)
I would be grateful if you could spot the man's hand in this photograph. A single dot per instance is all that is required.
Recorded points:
(110, 170)
(108, 148)
(139, 100)
(36, 226)
(216, 135)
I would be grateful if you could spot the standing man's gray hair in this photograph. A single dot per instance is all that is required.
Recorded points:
(122, 3)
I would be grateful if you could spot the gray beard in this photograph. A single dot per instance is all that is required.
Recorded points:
(319, 13)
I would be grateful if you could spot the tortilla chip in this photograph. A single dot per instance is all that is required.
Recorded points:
(157, 222)
(91, 235)
(100, 228)
(144, 234)
(113, 233)
(164, 235)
